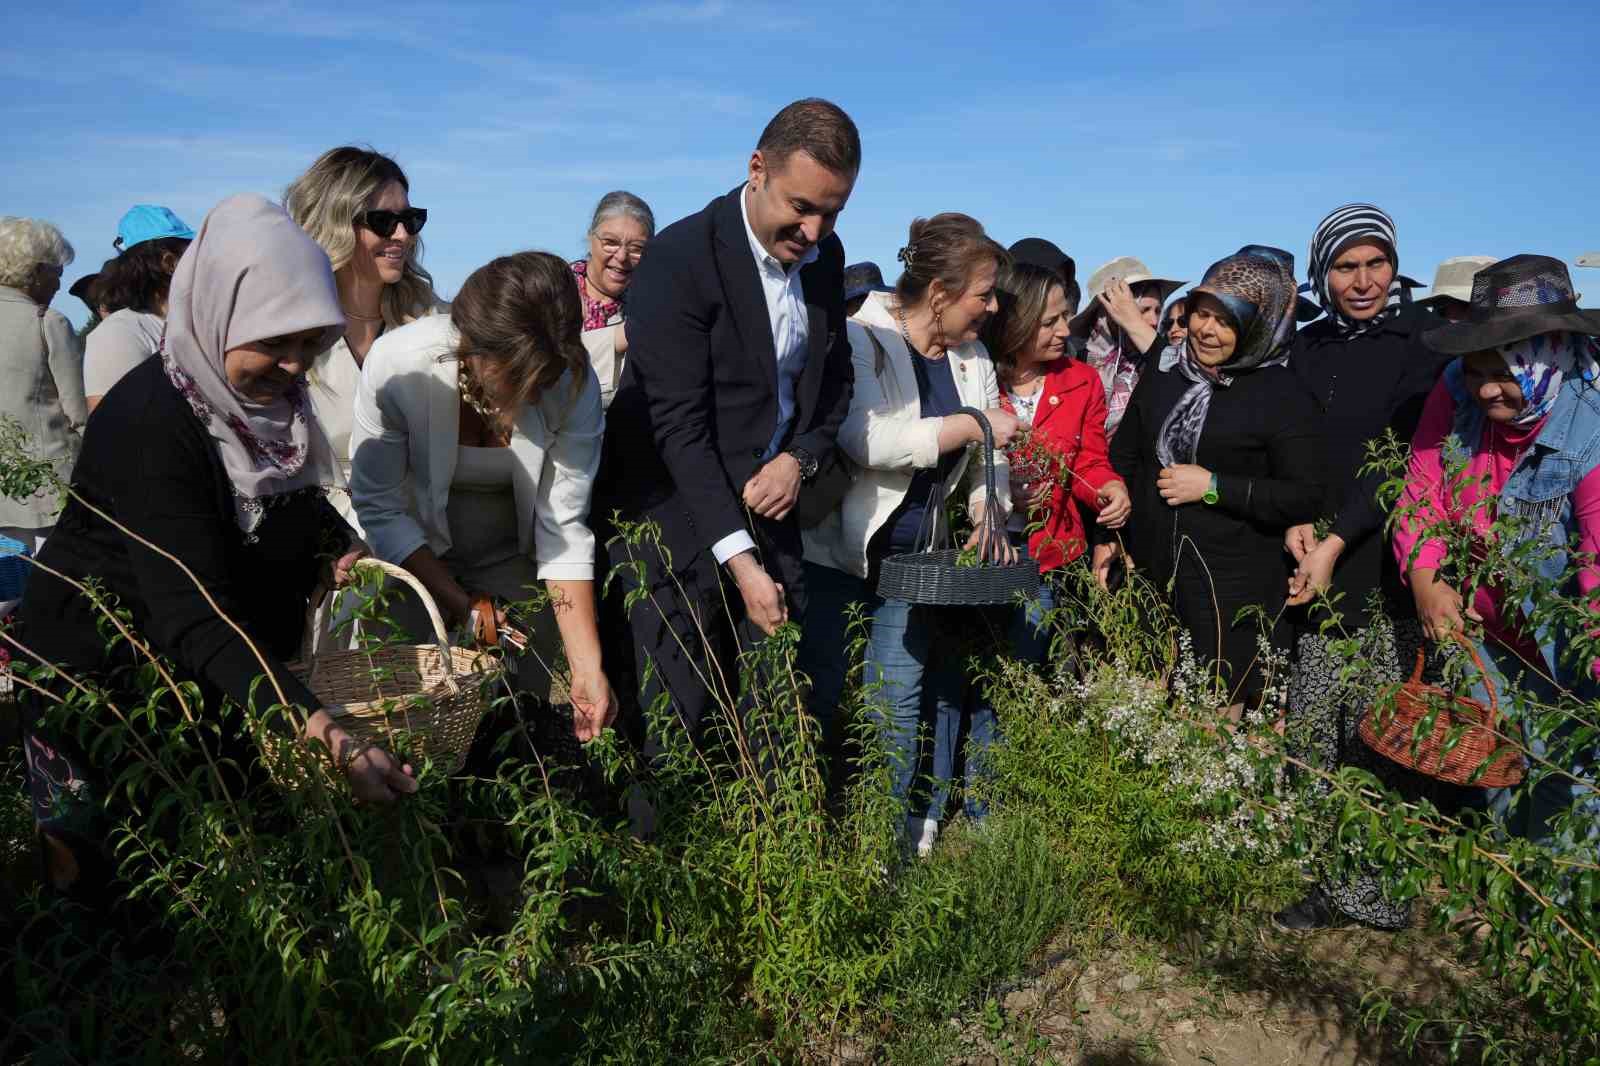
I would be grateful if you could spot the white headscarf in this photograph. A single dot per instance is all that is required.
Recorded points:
(250, 274)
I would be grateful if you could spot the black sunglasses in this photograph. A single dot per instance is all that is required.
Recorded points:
(383, 223)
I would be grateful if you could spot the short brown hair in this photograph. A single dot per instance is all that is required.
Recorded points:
(816, 127)
(947, 247)
(1022, 293)
(521, 315)
(140, 277)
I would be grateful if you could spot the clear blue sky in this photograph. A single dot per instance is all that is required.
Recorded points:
(1173, 130)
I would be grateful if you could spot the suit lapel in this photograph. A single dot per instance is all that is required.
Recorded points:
(741, 283)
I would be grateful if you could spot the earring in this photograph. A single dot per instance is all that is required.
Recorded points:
(938, 327)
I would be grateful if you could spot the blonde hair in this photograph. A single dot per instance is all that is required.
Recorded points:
(325, 201)
(24, 244)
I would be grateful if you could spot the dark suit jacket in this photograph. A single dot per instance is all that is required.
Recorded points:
(698, 400)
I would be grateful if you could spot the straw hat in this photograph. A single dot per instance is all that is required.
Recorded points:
(1129, 270)
(1453, 279)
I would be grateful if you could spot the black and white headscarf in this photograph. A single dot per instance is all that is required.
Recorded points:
(1346, 227)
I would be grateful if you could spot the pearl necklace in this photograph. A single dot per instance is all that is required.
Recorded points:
(468, 386)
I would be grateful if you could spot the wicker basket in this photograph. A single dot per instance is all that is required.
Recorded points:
(1390, 733)
(932, 576)
(436, 693)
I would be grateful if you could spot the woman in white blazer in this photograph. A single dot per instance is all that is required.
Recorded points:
(917, 359)
(474, 448)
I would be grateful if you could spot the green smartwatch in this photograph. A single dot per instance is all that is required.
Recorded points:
(1211, 496)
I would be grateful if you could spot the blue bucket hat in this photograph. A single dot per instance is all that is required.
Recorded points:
(149, 222)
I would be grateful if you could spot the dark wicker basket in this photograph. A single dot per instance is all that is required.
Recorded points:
(932, 576)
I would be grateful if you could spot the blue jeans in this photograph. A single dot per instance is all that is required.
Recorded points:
(900, 661)
(1523, 810)
(1027, 640)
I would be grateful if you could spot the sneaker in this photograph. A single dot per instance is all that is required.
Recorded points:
(1314, 912)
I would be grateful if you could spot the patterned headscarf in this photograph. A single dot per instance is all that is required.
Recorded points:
(596, 312)
(1541, 363)
(1256, 285)
(1346, 227)
(251, 274)
(1108, 353)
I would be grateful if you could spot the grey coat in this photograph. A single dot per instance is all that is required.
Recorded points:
(41, 386)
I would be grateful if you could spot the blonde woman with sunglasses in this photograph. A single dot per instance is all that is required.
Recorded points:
(356, 204)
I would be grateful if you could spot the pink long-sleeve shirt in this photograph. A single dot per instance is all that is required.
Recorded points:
(1427, 499)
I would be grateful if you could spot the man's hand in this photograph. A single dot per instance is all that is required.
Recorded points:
(1183, 483)
(1115, 505)
(763, 597)
(773, 490)
(1300, 540)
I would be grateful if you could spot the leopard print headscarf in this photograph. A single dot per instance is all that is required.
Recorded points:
(1256, 285)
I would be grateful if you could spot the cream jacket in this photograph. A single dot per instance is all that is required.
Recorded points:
(403, 447)
(886, 436)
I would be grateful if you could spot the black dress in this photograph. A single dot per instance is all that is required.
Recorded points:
(1363, 386)
(148, 462)
(1260, 440)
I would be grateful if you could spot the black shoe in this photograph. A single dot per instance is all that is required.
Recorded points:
(1314, 912)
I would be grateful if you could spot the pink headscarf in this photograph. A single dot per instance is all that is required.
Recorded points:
(251, 273)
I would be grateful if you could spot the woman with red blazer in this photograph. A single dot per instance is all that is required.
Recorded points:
(1060, 461)
(1057, 464)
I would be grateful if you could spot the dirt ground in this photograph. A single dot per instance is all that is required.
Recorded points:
(1275, 1001)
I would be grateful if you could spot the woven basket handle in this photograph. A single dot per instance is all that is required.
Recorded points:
(405, 577)
(1488, 683)
(991, 497)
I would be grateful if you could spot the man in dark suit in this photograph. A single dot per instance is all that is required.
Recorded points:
(737, 379)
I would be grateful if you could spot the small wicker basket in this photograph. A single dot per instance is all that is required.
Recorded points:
(436, 693)
(933, 577)
(1389, 733)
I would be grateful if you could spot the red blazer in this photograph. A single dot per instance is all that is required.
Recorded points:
(1070, 424)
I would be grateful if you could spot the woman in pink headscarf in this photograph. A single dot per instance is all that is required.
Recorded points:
(207, 453)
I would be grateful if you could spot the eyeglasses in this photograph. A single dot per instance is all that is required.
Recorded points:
(611, 246)
(383, 223)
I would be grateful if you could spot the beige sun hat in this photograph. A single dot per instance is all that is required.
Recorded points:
(1590, 260)
(1453, 279)
(1129, 270)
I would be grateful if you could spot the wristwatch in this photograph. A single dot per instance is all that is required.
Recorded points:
(1211, 496)
(808, 464)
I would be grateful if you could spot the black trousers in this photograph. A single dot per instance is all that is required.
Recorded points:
(685, 636)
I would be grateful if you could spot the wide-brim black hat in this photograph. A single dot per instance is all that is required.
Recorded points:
(1513, 300)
